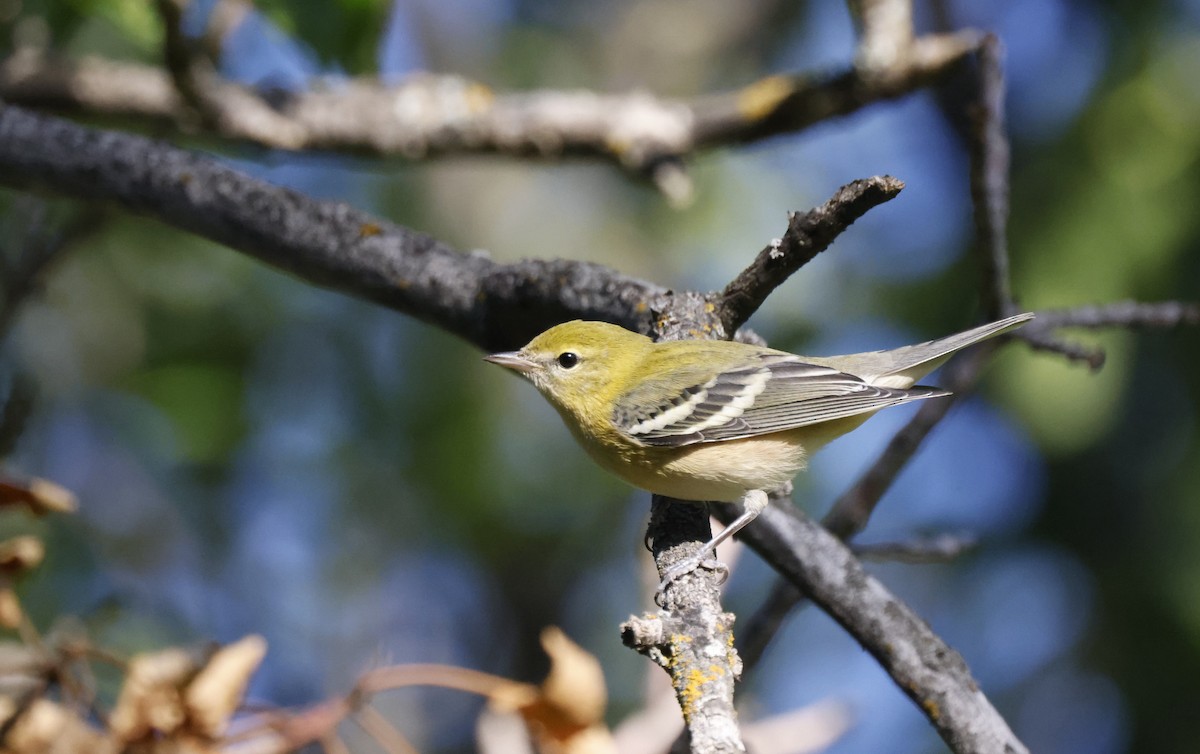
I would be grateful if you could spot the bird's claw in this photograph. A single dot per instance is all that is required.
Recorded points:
(683, 568)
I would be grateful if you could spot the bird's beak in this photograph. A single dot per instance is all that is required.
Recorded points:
(512, 360)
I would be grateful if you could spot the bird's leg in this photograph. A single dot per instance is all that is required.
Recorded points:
(753, 503)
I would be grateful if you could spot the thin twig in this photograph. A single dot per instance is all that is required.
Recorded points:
(885, 35)
(1130, 314)
(989, 153)
(939, 548)
(1042, 340)
(808, 234)
(850, 512)
(180, 57)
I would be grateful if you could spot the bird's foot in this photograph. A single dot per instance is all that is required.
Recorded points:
(683, 568)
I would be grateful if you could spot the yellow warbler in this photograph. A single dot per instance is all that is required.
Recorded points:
(712, 419)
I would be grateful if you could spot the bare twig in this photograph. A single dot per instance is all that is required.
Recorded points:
(786, 104)
(1126, 314)
(808, 234)
(1130, 314)
(933, 549)
(989, 180)
(850, 512)
(186, 67)
(1041, 340)
(885, 33)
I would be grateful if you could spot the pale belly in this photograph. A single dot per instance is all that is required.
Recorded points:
(722, 471)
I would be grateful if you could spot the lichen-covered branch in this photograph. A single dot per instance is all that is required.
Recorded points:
(692, 637)
(428, 115)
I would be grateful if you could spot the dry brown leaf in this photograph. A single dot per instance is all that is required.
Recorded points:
(566, 715)
(217, 690)
(41, 495)
(512, 696)
(49, 728)
(10, 607)
(151, 699)
(21, 554)
(575, 685)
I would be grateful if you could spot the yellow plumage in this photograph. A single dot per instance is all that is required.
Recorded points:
(717, 420)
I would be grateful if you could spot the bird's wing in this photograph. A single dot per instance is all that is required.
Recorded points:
(772, 393)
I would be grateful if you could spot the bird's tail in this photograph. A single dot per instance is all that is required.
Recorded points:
(901, 367)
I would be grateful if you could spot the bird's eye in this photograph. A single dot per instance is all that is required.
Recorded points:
(567, 360)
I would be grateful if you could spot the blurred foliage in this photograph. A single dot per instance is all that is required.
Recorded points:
(343, 34)
(255, 455)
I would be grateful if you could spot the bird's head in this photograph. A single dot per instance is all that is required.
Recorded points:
(576, 361)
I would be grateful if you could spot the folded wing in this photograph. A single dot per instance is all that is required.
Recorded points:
(776, 392)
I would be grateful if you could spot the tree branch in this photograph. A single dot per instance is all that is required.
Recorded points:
(1133, 314)
(885, 35)
(934, 549)
(989, 152)
(850, 512)
(493, 305)
(692, 637)
(431, 115)
(932, 674)
(326, 243)
(808, 234)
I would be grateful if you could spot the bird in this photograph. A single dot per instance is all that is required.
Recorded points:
(717, 420)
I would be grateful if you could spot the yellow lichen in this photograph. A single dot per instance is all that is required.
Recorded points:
(760, 99)
(931, 709)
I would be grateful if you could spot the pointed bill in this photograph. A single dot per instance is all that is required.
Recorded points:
(512, 360)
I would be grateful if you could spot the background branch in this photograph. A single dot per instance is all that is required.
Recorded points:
(932, 674)
(329, 244)
(989, 151)
(431, 115)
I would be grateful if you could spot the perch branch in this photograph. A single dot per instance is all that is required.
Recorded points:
(692, 637)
